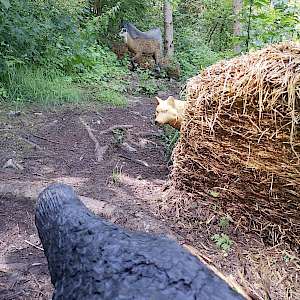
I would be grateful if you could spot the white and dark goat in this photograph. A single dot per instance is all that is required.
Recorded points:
(139, 42)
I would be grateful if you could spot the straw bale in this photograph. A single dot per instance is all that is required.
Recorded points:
(240, 138)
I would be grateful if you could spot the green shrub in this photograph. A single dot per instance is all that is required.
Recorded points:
(32, 31)
(96, 64)
(195, 58)
(269, 22)
(202, 34)
(147, 84)
(222, 241)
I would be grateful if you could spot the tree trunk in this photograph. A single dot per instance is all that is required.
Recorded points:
(237, 7)
(168, 24)
(96, 7)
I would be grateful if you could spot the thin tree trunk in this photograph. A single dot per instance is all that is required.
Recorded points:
(97, 7)
(168, 24)
(237, 7)
(249, 24)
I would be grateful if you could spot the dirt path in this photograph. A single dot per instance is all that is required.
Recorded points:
(42, 146)
(124, 177)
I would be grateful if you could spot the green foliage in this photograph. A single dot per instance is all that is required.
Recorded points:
(119, 135)
(3, 92)
(29, 85)
(224, 223)
(171, 136)
(53, 35)
(147, 84)
(111, 97)
(195, 58)
(122, 10)
(270, 22)
(30, 29)
(96, 64)
(149, 88)
(5, 4)
(216, 21)
(202, 34)
(222, 241)
(67, 38)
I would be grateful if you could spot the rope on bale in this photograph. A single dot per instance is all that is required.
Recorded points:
(240, 137)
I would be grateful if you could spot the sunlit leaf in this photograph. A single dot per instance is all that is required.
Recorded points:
(5, 3)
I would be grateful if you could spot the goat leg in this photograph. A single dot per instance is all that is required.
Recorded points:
(134, 60)
(156, 57)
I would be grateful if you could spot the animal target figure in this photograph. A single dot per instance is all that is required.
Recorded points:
(170, 111)
(90, 258)
(139, 42)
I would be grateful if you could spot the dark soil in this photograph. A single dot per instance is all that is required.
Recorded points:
(23, 268)
(54, 145)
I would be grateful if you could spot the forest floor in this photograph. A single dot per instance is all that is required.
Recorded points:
(128, 177)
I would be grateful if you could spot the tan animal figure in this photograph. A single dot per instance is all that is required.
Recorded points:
(119, 49)
(140, 43)
(170, 112)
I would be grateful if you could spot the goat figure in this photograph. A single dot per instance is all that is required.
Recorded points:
(139, 42)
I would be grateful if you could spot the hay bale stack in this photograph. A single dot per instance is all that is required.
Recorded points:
(240, 139)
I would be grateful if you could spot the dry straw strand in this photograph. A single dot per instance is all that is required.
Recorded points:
(241, 131)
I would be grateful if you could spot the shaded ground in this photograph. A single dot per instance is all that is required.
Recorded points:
(23, 268)
(54, 145)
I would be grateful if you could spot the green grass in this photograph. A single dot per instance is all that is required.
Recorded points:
(40, 86)
(171, 136)
(116, 175)
(45, 87)
(111, 97)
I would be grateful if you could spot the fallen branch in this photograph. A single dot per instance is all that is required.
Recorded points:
(111, 128)
(99, 151)
(149, 134)
(33, 245)
(138, 161)
(31, 143)
(43, 138)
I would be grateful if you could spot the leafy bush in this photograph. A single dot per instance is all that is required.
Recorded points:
(146, 83)
(72, 41)
(202, 34)
(53, 35)
(96, 64)
(196, 57)
(30, 30)
(266, 22)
